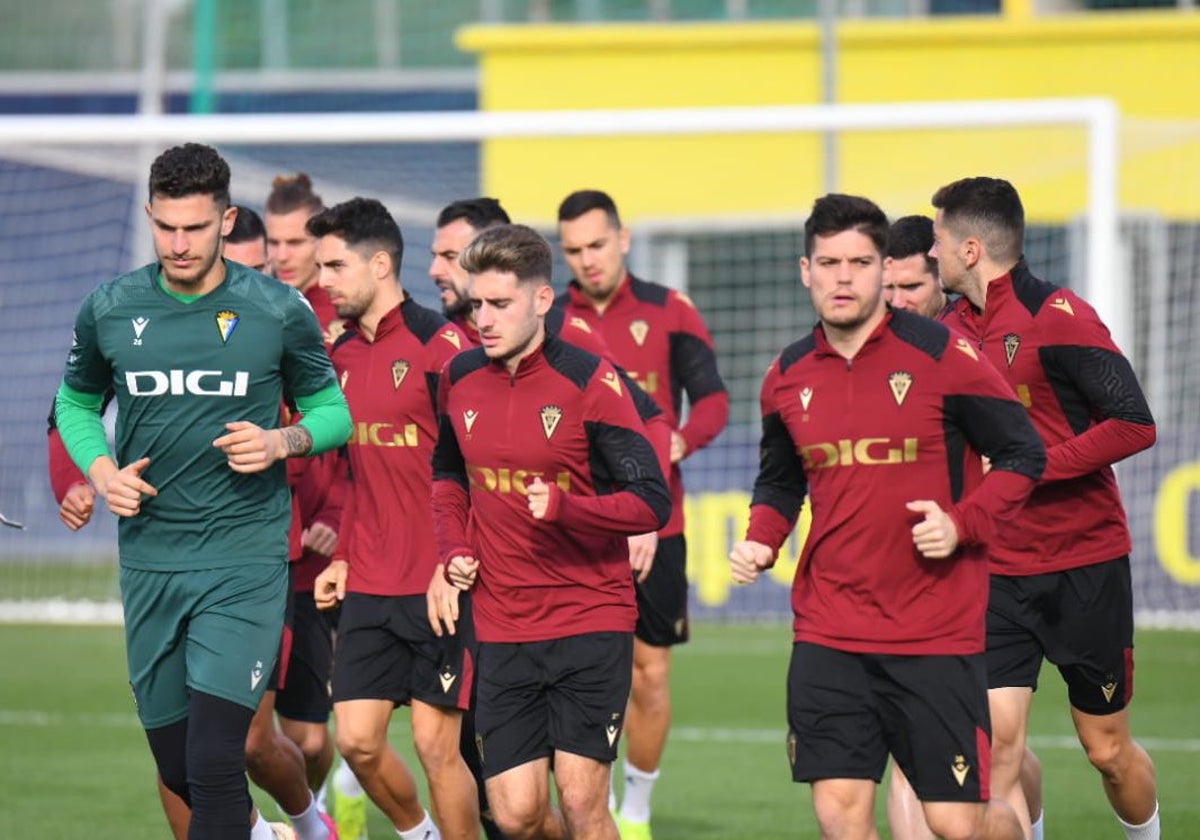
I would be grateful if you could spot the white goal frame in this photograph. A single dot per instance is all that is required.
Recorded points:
(1099, 117)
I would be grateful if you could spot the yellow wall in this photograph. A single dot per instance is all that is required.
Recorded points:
(1148, 62)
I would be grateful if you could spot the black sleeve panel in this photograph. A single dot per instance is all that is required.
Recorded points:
(1000, 429)
(694, 366)
(1094, 383)
(623, 459)
(431, 384)
(930, 337)
(795, 352)
(781, 483)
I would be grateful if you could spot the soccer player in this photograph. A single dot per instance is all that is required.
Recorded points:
(291, 250)
(457, 224)
(199, 352)
(660, 339)
(1060, 581)
(389, 361)
(273, 761)
(911, 282)
(881, 418)
(247, 240)
(304, 703)
(541, 449)
(910, 277)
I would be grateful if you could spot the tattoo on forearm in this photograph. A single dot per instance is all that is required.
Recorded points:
(297, 440)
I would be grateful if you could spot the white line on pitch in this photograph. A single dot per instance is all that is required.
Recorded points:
(692, 734)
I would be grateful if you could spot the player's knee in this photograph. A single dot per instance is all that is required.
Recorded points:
(517, 822)
(360, 748)
(438, 748)
(168, 745)
(311, 738)
(1109, 752)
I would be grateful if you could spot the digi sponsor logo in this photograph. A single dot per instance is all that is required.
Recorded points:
(864, 452)
(647, 381)
(509, 480)
(179, 383)
(384, 434)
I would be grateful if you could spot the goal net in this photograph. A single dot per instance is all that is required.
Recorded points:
(71, 191)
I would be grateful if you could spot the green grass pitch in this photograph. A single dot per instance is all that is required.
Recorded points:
(74, 763)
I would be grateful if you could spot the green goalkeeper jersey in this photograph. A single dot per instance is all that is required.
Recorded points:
(180, 372)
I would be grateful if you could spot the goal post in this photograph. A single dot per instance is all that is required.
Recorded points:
(69, 187)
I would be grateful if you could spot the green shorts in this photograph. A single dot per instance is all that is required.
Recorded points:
(215, 630)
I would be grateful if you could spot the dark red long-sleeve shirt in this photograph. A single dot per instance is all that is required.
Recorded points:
(391, 386)
(1086, 404)
(567, 417)
(661, 341)
(906, 419)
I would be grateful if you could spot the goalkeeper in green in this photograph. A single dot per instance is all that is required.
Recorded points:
(200, 353)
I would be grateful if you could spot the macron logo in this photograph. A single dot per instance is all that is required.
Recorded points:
(256, 675)
(139, 326)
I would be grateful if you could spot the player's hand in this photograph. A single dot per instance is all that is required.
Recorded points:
(747, 559)
(124, 489)
(538, 494)
(935, 536)
(329, 589)
(679, 449)
(320, 538)
(249, 448)
(641, 554)
(462, 571)
(987, 465)
(441, 603)
(77, 506)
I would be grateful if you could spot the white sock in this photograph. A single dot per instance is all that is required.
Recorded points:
(309, 825)
(261, 830)
(346, 781)
(319, 795)
(635, 806)
(1149, 830)
(612, 791)
(1039, 826)
(425, 830)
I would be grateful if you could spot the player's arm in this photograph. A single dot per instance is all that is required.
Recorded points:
(782, 484)
(631, 491)
(1098, 392)
(451, 496)
(75, 496)
(694, 366)
(981, 409)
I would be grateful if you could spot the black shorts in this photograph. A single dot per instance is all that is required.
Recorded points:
(386, 650)
(535, 698)
(662, 599)
(848, 711)
(1080, 619)
(303, 691)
